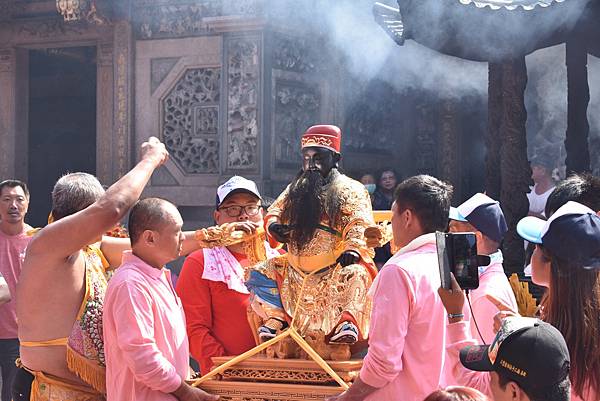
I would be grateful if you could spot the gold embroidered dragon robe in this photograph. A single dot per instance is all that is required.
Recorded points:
(313, 287)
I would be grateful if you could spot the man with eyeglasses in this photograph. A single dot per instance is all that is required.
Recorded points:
(211, 284)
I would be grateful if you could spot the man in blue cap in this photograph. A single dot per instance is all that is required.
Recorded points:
(483, 216)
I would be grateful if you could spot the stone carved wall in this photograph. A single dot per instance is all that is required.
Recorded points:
(296, 107)
(294, 54)
(190, 115)
(174, 18)
(243, 80)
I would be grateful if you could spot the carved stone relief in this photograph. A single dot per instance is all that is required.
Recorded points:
(296, 107)
(6, 60)
(159, 69)
(243, 76)
(176, 18)
(190, 115)
(49, 28)
(294, 54)
(173, 20)
(243, 7)
(374, 110)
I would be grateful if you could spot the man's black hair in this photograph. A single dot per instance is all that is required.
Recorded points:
(582, 188)
(560, 391)
(429, 198)
(14, 184)
(146, 214)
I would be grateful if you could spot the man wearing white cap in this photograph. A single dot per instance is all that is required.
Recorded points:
(211, 284)
(483, 216)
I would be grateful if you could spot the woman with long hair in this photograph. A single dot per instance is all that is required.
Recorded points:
(566, 260)
(572, 305)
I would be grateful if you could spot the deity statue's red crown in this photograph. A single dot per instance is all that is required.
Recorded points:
(323, 136)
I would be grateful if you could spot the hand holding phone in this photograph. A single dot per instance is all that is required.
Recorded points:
(457, 254)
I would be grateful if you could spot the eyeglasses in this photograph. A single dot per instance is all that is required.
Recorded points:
(236, 210)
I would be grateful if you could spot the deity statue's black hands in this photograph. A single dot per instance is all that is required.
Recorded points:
(281, 232)
(348, 258)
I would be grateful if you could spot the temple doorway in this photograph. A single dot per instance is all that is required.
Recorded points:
(62, 120)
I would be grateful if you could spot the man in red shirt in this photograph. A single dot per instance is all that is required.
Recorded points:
(14, 203)
(211, 284)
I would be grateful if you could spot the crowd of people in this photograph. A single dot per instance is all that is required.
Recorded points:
(68, 333)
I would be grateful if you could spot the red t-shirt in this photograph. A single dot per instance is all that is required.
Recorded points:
(216, 317)
(12, 253)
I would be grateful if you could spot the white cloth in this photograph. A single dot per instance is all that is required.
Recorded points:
(221, 265)
(537, 202)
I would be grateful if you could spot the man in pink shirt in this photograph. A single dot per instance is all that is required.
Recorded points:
(483, 216)
(145, 340)
(14, 202)
(408, 321)
(528, 360)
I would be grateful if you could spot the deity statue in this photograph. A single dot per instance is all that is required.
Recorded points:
(323, 279)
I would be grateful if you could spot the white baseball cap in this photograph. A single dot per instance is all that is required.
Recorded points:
(234, 185)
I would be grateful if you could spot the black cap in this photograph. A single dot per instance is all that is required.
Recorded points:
(526, 350)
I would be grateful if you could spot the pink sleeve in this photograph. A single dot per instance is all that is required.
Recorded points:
(484, 312)
(458, 337)
(134, 329)
(393, 296)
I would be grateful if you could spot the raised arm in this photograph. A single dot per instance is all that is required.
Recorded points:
(66, 236)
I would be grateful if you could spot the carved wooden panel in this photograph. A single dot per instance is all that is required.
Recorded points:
(296, 107)
(243, 80)
(190, 115)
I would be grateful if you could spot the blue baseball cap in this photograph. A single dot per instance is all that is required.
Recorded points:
(483, 213)
(571, 233)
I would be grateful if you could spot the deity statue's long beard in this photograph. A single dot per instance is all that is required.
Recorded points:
(304, 206)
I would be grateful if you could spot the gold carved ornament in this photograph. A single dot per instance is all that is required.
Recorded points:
(316, 141)
(227, 234)
(525, 301)
(78, 10)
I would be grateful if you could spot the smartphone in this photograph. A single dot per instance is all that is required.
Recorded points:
(457, 254)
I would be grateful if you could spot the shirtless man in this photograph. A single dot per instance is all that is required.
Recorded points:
(58, 277)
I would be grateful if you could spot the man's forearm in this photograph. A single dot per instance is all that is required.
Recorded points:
(358, 391)
(190, 244)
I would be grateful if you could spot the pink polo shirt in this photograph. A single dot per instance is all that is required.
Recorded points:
(492, 281)
(12, 253)
(408, 326)
(145, 340)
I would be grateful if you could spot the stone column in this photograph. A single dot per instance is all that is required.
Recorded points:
(449, 150)
(14, 95)
(493, 139)
(7, 111)
(123, 80)
(104, 112)
(514, 168)
(576, 141)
